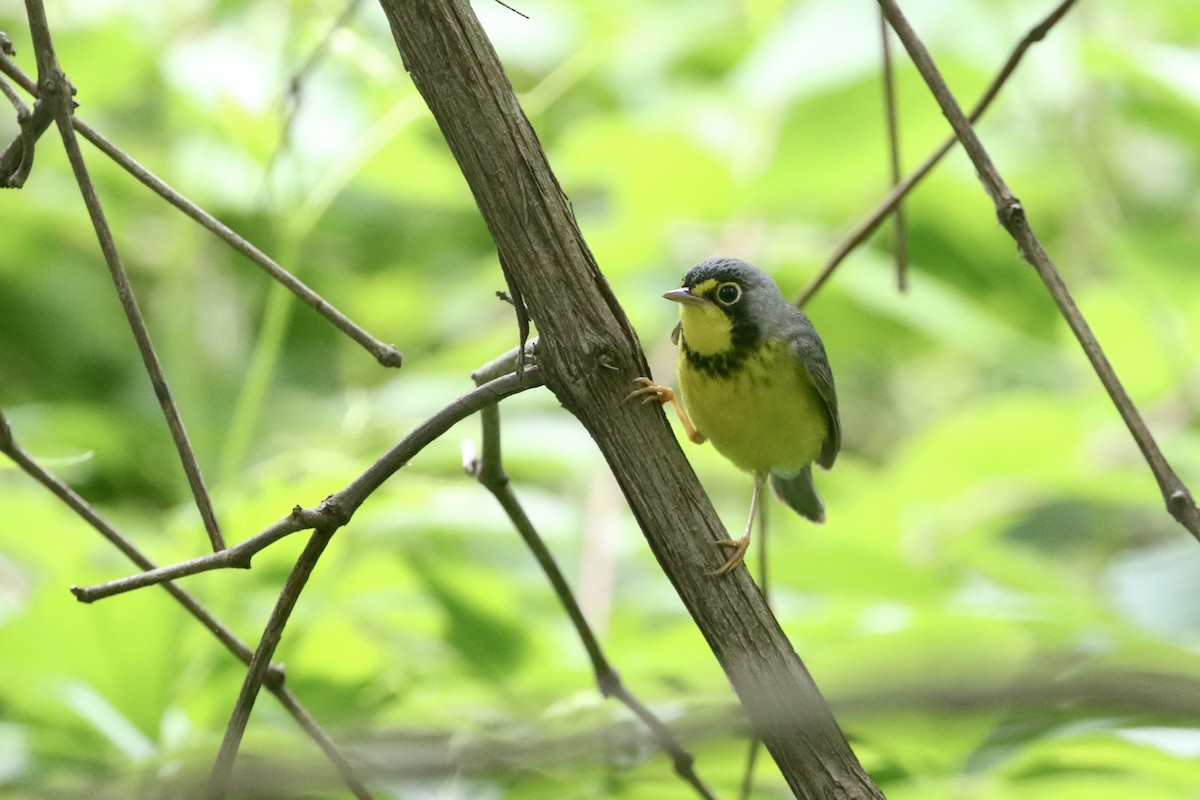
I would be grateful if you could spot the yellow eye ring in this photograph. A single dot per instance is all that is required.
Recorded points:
(728, 293)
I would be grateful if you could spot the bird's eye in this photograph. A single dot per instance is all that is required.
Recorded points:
(728, 294)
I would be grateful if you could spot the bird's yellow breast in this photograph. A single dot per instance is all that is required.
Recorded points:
(763, 415)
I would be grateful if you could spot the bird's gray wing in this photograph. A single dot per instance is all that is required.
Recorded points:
(810, 352)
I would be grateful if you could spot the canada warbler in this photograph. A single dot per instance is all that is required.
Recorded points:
(756, 383)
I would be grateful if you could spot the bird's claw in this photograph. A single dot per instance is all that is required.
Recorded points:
(738, 546)
(651, 392)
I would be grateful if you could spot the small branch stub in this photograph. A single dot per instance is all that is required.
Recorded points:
(1012, 216)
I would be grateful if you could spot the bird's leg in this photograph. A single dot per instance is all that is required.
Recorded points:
(740, 544)
(665, 394)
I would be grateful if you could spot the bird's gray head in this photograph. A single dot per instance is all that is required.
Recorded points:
(725, 305)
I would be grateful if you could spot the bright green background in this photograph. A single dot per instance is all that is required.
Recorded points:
(998, 606)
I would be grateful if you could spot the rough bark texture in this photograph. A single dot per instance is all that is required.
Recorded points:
(589, 356)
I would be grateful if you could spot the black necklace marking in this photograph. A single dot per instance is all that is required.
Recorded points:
(744, 340)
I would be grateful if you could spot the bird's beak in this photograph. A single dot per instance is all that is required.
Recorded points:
(684, 296)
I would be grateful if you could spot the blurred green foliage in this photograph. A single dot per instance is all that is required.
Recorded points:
(998, 606)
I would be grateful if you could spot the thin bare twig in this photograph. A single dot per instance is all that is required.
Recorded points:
(57, 92)
(343, 505)
(386, 354)
(236, 557)
(488, 469)
(513, 10)
(892, 199)
(892, 116)
(223, 768)
(310, 725)
(1011, 215)
(333, 513)
(513, 361)
(337, 509)
(70, 498)
(14, 99)
(273, 678)
(17, 159)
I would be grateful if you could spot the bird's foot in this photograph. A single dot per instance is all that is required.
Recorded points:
(738, 546)
(651, 391)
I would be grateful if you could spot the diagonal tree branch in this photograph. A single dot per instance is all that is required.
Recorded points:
(333, 513)
(386, 354)
(57, 92)
(26, 462)
(489, 470)
(237, 557)
(590, 355)
(256, 673)
(892, 199)
(1011, 214)
(273, 678)
(340, 508)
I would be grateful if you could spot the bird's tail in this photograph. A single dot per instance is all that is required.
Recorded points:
(798, 492)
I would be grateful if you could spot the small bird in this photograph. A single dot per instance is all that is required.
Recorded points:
(756, 382)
